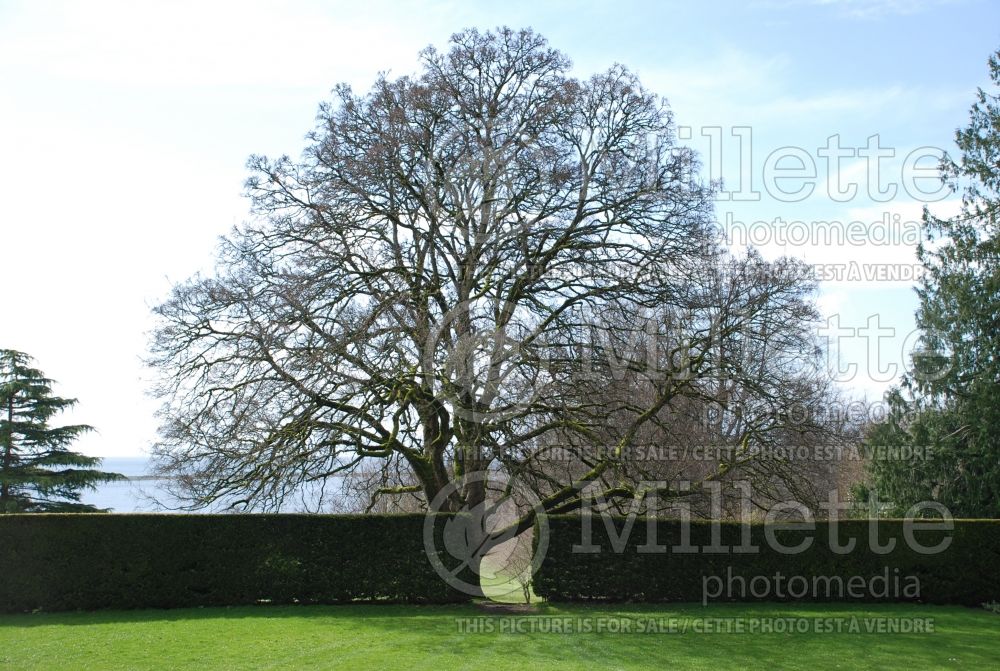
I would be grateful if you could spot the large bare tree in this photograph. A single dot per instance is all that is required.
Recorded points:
(449, 280)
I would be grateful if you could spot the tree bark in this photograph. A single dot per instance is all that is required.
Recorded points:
(8, 449)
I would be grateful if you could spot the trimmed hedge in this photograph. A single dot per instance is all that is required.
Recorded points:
(68, 562)
(966, 572)
(74, 561)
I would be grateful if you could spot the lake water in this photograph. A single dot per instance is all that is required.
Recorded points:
(142, 494)
(131, 496)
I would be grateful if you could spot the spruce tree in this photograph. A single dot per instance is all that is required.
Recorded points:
(949, 408)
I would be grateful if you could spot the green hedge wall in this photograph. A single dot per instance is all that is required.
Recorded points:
(967, 572)
(68, 562)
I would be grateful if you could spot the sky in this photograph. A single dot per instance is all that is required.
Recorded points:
(125, 127)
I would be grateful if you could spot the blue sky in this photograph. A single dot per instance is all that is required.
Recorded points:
(124, 128)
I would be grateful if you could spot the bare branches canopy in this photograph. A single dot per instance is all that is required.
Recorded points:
(465, 269)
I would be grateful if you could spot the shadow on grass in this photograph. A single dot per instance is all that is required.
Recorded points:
(431, 637)
(370, 611)
(367, 610)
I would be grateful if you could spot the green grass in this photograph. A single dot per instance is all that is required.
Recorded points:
(413, 637)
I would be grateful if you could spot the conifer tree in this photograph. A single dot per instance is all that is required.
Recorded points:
(38, 473)
(949, 408)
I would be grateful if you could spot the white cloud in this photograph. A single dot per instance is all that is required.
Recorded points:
(862, 9)
(719, 87)
(206, 44)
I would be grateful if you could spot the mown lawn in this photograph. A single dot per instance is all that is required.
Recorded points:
(431, 637)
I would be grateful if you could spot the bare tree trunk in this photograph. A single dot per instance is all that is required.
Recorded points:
(8, 453)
